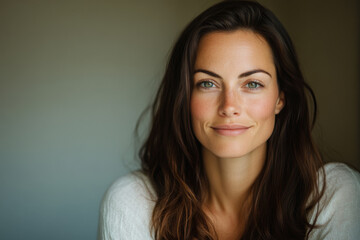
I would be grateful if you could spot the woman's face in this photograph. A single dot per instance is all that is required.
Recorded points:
(235, 96)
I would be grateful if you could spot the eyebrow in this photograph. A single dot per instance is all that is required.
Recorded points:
(245, 74)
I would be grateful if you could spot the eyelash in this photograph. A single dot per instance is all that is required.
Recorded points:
(258, 85)
(201, 84)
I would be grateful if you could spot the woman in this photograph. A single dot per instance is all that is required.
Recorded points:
(230, 154)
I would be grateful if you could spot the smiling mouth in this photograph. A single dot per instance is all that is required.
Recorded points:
(230, 130)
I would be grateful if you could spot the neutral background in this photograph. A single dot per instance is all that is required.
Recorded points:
(76, 75)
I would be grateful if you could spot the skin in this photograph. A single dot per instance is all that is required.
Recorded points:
(233, 106)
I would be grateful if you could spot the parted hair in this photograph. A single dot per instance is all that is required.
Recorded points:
(286, 190)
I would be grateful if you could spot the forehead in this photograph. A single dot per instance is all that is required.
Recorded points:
(240, 48)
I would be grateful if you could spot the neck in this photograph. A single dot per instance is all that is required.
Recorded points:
(230, 180)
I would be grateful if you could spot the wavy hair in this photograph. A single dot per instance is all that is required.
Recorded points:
(286, 190)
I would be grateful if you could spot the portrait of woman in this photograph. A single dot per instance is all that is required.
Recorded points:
(229, 154)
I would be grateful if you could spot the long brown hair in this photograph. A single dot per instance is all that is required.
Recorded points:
(286, 190)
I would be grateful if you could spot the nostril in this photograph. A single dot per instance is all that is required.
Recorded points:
(229, 111)
(229, 106)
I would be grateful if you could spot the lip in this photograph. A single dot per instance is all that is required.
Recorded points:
(230, 130)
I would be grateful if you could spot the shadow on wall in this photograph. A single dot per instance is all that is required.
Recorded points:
(326, 37)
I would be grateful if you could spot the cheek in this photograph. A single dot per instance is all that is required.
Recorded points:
(200, 108)
(262, 109)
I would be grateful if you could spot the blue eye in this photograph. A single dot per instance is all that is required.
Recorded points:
(253, 85)
(207, 84)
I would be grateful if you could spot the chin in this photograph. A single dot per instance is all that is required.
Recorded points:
(228, 152)
(235, 150)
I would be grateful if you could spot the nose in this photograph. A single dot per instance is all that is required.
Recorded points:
(230, 104)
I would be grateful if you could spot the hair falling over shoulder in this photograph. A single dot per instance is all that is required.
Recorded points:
(286, 190)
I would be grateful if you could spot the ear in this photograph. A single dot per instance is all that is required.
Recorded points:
(280, 102)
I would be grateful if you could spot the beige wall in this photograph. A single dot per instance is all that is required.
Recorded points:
(326, 37)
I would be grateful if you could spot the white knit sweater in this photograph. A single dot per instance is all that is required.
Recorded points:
(127, 207)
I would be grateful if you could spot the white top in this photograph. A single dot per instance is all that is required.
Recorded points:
(127, 207)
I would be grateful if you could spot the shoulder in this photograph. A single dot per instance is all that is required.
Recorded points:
(134, 186)
(126, 208)
(126, 193)
(342, 185)
(340, 204)
(341, 174)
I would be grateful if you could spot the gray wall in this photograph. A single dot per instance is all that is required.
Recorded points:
(75, 76)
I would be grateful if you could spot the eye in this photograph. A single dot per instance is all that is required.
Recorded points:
(206, 84)
(253, 85)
